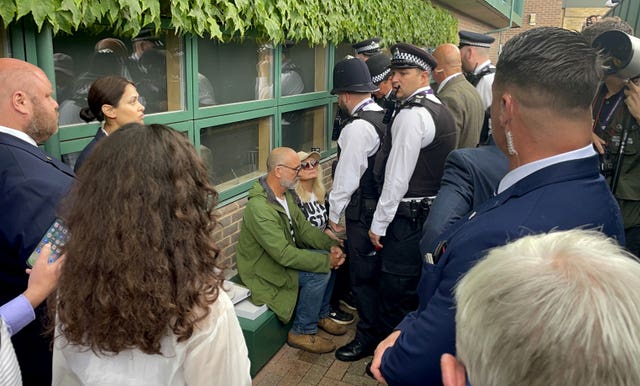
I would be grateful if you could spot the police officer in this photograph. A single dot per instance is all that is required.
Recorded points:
(380, 76)
(365, 49)
(474, 52)
(354, 189)
(410, 165)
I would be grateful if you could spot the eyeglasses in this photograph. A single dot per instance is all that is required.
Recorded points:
(296, 169)
(310, 164)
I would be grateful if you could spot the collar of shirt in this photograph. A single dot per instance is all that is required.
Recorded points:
(482, 65)
(521, 172)
(448, 78)
(18, 134)
(362, 102)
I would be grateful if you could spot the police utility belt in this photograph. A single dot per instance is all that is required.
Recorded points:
(415, 208)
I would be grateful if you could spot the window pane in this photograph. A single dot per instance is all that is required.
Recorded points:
(234, 72)
(154, 63)
(304, 69)
(304, 129)
(237, 152)
(342, 50)
(5, 46)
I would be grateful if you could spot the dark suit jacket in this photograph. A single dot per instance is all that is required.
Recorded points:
(471, 176)
(467, 109)
(31, 186)
(86, 152)
(562, 196)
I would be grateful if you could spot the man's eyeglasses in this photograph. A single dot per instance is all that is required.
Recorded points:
(296, 169)
(309, 164)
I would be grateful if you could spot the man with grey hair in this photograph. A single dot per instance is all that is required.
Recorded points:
(282, 258)
(567, 314)
(541, 117)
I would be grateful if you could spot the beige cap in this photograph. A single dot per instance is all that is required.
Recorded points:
(304, 155)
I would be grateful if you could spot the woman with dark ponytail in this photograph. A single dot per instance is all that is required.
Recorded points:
(113, 101)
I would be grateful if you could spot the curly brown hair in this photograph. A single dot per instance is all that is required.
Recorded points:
(141, 258)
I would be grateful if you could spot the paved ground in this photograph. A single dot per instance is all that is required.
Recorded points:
(291, 366)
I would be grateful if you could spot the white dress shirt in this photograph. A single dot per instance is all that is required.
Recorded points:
(412, 130)
(215, 354)
(358, 141)
(484, 85)
(18, 134)
(522, 171)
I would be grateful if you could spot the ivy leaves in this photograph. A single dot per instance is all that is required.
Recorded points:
(317, 21)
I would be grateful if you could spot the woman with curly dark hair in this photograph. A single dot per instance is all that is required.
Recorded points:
(139, 299)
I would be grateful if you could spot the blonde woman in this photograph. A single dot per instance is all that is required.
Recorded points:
(311, 198)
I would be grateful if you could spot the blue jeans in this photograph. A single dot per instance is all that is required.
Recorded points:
(313, 300)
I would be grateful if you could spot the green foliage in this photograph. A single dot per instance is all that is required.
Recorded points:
(317, 21)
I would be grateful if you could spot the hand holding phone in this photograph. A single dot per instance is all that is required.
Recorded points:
(57, 235)
(43, 277)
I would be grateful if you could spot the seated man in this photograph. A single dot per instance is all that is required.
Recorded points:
(567, 315)
(275, 260)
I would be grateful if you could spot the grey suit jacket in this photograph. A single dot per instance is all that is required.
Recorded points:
(467, 109)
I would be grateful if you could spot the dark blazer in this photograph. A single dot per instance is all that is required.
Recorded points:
(467, 109)
(471, 176)
(31, 186)
(86, 152)
(562, 196)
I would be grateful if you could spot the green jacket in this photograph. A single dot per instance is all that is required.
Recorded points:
(268, 258)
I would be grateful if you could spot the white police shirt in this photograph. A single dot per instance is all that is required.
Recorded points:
(412, 130)
(358, 141)
(484, 85)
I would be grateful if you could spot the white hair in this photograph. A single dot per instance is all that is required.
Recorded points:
(561, 308)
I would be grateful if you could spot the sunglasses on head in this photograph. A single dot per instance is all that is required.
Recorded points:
(309, 164)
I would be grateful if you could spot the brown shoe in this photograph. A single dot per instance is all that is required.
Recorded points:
(310, 342)
(331, 327)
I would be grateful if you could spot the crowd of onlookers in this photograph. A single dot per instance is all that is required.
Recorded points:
(470, 222)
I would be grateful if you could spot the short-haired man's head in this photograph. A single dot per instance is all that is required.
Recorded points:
(613, 23)
(552, 309)
(550, 67)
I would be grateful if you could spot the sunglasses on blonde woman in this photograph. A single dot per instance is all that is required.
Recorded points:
(309, 164)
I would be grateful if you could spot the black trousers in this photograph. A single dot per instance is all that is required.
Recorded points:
(384, 283)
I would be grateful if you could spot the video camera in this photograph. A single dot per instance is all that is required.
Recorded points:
(622, 52)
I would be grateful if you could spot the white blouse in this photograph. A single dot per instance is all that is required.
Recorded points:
(216, 354)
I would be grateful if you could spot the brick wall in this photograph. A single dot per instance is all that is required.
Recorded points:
(574, 18)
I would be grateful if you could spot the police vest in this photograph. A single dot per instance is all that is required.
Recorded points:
(368, 187)
(425, 180)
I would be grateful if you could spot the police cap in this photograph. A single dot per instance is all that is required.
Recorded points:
(352, 75)
(409, 56)
(379, 67)
(367, 47)
(468, 38)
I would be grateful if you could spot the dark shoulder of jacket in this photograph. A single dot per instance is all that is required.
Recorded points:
(374, 117)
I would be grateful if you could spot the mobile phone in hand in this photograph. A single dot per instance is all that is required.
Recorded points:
(57, 235)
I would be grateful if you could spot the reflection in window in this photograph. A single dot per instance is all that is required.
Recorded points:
(228, 72)
(304, 69)
(304, 129)
(5, 47)
(154, 63)
(237, 152)
(342, 51)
